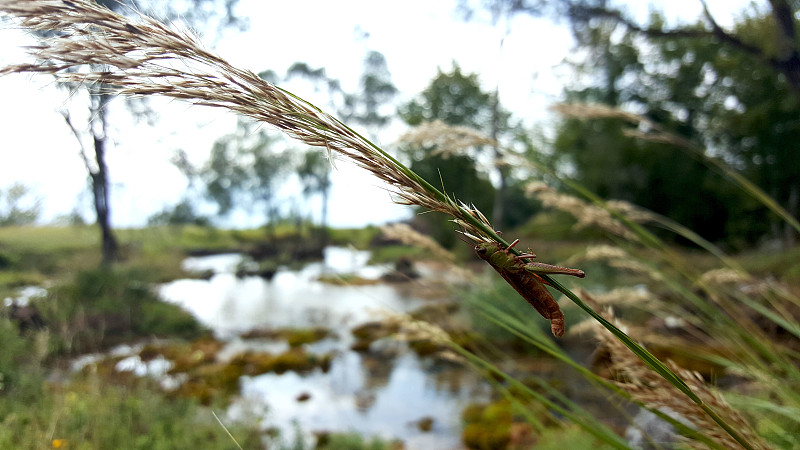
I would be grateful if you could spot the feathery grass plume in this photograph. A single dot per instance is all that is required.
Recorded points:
(626, 296)
(615, 220)
(585, 213)
(644, 385)
(724, 277)
(409, 236)
(616, 257)
(410, 329)
(448, 139)
(145, 57)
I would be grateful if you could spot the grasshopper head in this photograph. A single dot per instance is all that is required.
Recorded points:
(485, 250)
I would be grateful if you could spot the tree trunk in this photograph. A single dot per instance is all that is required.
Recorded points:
(100, 185)
(324, 219)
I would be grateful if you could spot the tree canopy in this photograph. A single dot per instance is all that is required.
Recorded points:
(732, 93)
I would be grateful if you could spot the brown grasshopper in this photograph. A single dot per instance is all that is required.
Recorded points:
(523, 276)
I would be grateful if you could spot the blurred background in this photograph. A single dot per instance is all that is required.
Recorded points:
(197, 261)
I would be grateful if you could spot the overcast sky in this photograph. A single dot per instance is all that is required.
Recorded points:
(416, 36)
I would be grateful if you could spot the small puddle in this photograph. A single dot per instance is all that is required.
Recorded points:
(384, 395)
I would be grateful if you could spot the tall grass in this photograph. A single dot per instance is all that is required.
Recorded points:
(144, 57)
(745, 325)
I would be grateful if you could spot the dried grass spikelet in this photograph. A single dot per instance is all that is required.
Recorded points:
(616, 257)
(410, 329)
(585, 213)
(647, 129)
(448, 139)
(646, 386)
(88, 43)
(409, 236)
(632, 212)
(594, 111)
(724, 276)
(625, 296)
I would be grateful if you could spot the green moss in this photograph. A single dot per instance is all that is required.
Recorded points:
(352, 441)
(300, 336)
(357, 237)
(424, 347)
(485, 437)
(487, 425)
(392, 253)
(346, 280)
(369, 332)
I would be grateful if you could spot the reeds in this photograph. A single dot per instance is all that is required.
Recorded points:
(724, 319)
(145, 57)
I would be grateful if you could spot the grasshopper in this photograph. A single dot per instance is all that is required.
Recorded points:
(523, 276)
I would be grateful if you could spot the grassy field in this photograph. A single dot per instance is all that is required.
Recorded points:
(741, 330)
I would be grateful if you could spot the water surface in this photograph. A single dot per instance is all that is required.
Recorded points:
(380, 393)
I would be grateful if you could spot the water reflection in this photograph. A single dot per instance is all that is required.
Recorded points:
(386, 392)
(231, 305)
(388, 403)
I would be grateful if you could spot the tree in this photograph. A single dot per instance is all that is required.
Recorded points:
(97, 168)
(182, 213)
(733, 92)
(376, 92)
(17, 207)
(456, 99)
(193, 13)
(315, 174)
(367, 107)
(244, 170)
(715, 98)
(778, 49)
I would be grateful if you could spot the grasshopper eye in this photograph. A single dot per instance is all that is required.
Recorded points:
(480, 250)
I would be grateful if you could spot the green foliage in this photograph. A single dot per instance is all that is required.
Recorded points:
(360, 238)
(183, 213)
(7, 261)
(487, 426)
(315, 174)
(243, 171)
(20, 372)
(578, 439)
(501, 293)
(709, 95)
(452, 97)
(350, 441)
(393, 253)
(366, 107)
(456, 99)
(102, 307)
(98, 415)
(376, 90)
(461, 180)
(17, 207)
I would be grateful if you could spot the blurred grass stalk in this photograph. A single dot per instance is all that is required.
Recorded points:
(145, 57)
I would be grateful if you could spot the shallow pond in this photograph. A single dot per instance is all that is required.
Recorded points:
(385, 392)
